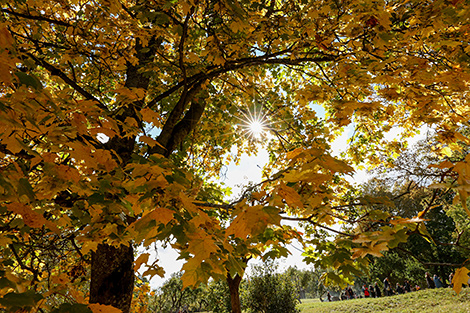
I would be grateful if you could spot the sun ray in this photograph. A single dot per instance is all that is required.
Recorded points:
(254, 123)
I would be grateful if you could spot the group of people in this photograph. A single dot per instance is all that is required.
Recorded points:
(435, 281)
(399, 289)
(374, 291)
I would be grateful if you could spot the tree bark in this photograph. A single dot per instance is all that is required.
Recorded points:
(234, 287)
(112, 276)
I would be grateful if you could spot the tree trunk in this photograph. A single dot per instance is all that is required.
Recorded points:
(234, 287)
(112, 276)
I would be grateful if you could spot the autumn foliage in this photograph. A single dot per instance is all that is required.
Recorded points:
(116, 115)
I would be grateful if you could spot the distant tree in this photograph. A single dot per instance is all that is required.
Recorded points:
(309, 282)
(268, 291)
(438, 242)
(172, 296)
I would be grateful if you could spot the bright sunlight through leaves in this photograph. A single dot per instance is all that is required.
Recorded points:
(254, 124)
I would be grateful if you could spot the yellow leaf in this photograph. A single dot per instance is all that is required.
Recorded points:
(336, 166)
(307, 176)
(6, 39)
(149, 141)
(159, 215)
(460, 278)
(101, 308)
(361, 238)
(447, 151)
(68, 173)
(291, 197)
(89, 246)
(201, 245)
(104, 159)
(31, 217)
(185, 6)
(188, 203)
(4, 241)
(374, 250)
(378, 248)
(253, 220)
(294, 153)
(151, 116)
(204, 220)
(12, 143)
(194, 273)
(131, 122)
(61, 279)
(358, 253)
(155, 270)
(143, 258)
(237, 26)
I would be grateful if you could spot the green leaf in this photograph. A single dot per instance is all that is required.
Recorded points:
(29, 80)
(4, 283)
(15, 301)
(24, 188)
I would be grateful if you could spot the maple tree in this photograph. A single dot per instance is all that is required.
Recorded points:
(114, 115)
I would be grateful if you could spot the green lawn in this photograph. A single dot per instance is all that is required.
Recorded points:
(429, 301)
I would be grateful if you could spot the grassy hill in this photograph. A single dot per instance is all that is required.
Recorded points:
(429, 301)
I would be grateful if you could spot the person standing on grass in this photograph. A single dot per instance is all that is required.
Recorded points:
(429, 281)
(387, 287)
(372, 291)
(399, 289)
(378, 293)
(366, 291)
(437, 281)
(407, 286)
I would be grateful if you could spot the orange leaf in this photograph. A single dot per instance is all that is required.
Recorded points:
(143, 258)
(188, 203)
(201, 246)
(151, 116)
(460, 278)
(101, 308)
(159, 215)
(194, 273)
(149, 141)
(30, 217)
(6, 39)
(291, 197)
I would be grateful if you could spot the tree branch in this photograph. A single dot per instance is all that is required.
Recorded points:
(55, 71)
(211, 72)
(309, 220)
(37, 18)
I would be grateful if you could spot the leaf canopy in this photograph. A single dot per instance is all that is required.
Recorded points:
(114, 116)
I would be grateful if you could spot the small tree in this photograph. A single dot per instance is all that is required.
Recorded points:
(269, 291)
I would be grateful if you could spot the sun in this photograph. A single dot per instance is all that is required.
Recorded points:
(254, 124)
(256, 128)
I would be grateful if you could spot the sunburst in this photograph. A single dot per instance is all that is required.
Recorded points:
(254, 124)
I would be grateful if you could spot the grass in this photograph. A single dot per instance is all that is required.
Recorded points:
(429, 301)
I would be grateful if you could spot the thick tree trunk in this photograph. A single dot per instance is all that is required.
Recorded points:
(112, 276)
(234, 287)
